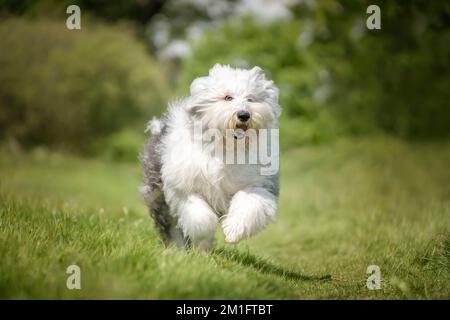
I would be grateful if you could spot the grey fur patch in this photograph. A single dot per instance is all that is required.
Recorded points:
(274, 186)
(150, 159)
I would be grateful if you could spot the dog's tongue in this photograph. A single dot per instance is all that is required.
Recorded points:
(242, 127)
(239, 133)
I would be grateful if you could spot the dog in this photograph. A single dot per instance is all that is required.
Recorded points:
(188, 188)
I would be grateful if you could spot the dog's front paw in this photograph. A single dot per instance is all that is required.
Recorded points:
(249, 213)
(234, 231)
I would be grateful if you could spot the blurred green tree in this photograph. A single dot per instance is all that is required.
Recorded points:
(66, 88)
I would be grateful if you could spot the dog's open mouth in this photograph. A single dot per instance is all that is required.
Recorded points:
(242, 126)
(239, 132)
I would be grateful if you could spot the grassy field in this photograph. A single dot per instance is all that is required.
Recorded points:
(343, 207)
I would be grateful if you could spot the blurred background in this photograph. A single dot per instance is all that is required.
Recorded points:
(91, 91)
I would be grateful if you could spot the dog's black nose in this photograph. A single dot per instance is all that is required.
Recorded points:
(243, 115)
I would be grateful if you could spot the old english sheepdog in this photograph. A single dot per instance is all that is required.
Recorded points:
(213, 157)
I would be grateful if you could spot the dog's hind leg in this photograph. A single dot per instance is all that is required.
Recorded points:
(177, 237)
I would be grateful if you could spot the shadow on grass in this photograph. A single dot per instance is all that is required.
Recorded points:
(263, 266)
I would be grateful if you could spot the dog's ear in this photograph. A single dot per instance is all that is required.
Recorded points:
(257, 71)
(272, 90)
(273, 93)
(257, 74)
(199, 85)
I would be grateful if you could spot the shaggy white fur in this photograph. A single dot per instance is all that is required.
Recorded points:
(198, 186)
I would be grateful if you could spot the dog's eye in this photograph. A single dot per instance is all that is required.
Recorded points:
(228, 98)
(250, 99)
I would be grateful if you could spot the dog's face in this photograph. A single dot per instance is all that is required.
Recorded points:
(231, 98)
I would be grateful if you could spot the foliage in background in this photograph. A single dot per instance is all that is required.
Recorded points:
(137, 10)
(121, 146)
(336, 76)
(66, 88)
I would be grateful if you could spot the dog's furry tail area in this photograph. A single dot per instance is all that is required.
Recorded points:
(154, 126)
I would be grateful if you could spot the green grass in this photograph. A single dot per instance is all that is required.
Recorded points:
(343, 207)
